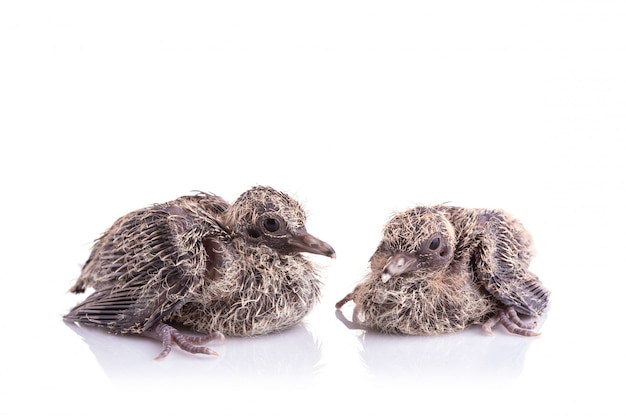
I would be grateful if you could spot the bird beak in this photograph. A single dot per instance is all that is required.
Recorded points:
(398, 264)
(302, 241)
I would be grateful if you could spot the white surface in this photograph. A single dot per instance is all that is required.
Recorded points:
(356, 108)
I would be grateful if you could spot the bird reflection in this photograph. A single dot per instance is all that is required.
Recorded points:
(468, 356)
(292, 354)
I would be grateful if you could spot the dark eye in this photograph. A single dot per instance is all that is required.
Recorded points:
(434, 244)
(271, 224)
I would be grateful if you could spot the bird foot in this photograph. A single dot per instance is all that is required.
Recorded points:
(511, 321)
(192, 344)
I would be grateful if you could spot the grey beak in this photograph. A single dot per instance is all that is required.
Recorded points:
(398, 264)
(303, 241)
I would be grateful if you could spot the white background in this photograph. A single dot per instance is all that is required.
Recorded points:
(357, 109)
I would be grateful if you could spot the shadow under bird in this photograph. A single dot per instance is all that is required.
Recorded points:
(440, 269)
(200, 262)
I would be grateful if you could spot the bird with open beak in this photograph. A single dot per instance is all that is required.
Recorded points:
(197, 261)
(441, 269)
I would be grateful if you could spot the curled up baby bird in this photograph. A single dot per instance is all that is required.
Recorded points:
(198, 261)
(440, 269)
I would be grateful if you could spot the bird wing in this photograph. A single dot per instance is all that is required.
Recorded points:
(144, 267)
(501, 261)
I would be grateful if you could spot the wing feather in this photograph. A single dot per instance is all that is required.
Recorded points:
(146, 264)
(501, 261)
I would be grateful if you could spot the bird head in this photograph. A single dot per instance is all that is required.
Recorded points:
(265, 216)
(419, 239)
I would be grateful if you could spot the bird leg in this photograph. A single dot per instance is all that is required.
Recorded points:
(192, 344)
(354, 324)
(511, 321)
(344, 300)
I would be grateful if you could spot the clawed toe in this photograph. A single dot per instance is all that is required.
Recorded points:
(200, 340)
(488, 325)
(192, 344)
(511, 321)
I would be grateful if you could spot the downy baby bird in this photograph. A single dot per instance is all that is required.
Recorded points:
(441, 269)
(199, 262)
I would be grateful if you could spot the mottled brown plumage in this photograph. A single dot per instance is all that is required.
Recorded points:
(200, 262)
(441, 269)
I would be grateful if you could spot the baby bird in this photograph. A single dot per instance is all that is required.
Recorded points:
(200, 262)
(441, 269)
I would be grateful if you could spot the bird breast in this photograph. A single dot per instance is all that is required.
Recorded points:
(254, 291)
(422, 303)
